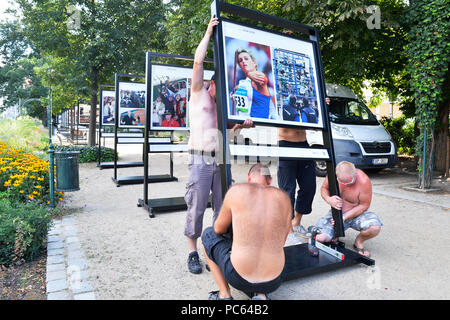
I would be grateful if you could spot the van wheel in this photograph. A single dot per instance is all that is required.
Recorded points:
(321, 168)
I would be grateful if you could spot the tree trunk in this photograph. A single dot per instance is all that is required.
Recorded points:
(442, 132)
(93, 111)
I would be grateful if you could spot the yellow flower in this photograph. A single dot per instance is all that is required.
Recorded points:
(38, 187)
(21, 191)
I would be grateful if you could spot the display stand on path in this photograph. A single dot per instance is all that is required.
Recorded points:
(130, 113)
(107, 105)
(284, 52)
(155, 74)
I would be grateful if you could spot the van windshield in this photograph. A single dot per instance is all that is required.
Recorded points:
(350, 111)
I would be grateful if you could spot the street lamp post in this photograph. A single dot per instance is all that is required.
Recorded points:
(51, 151)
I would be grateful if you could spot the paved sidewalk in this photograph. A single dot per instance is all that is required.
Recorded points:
(67, 276)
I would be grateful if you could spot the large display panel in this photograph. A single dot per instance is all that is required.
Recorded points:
(131, 105)
(270, 78)
(171, 90)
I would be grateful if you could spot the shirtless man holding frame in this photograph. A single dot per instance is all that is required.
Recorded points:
(203, 145)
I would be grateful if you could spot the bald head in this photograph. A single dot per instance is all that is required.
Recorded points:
(346, 172)
(259, 173)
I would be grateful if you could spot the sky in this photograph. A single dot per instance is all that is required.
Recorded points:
(5, 4)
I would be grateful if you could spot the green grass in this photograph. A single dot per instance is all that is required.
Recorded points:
(24, 133)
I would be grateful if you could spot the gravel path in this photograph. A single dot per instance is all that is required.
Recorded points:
(131, 256)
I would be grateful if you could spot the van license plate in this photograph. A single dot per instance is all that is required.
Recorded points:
(380, 161)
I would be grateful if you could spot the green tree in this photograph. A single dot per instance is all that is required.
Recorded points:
(18, 81)
(104, 38)
(351, 52)
(428, 66)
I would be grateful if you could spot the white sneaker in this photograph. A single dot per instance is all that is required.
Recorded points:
(300, 230)
(292, 240)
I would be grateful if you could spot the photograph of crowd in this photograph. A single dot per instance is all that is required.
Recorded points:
(170, 97)
(270, 77)
(131, 104)
(108, 107)
(295, 86)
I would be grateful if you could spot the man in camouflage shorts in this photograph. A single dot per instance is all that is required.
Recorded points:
(355, 189)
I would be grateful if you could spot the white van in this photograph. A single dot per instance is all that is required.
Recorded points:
(358, 137)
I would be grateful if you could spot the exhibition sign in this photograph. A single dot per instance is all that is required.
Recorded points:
(270, 77)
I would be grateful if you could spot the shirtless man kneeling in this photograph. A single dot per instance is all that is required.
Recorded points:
(254, 260)
(355, 189)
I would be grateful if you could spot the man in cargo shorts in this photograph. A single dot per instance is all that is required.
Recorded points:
(355, 189)
(204, 172)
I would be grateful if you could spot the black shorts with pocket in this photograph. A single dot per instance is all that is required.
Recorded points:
(218, 249)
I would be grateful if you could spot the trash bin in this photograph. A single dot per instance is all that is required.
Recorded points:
(67, 178)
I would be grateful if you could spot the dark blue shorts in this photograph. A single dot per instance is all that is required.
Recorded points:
(218, 249)
(301, 172)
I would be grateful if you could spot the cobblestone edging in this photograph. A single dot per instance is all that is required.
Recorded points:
(67, 275)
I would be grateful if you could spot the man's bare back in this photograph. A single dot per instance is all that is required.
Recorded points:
(261, 221)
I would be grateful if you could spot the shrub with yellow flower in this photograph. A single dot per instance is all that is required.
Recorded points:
(24, 176)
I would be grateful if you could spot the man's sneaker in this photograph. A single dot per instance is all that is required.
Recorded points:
(215, 295)
(300, 230)
(256, 297)
(194, 263)
(292, 240)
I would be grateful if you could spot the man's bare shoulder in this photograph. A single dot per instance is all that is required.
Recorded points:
(364, 178)
(243, 189)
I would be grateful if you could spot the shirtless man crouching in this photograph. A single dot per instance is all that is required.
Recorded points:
(253, 260)
(355, 189)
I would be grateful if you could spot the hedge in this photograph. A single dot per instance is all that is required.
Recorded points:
(23, 230)
(89, 154)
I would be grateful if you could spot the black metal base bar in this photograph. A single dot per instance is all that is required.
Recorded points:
(140, 179)
(165, 205)
(110, 165)
(299, 263)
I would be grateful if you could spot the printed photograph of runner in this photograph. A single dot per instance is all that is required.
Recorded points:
(250, 76)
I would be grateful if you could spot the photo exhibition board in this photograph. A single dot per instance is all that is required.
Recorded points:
(171, 89)
(270, 78)
(131, 105)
